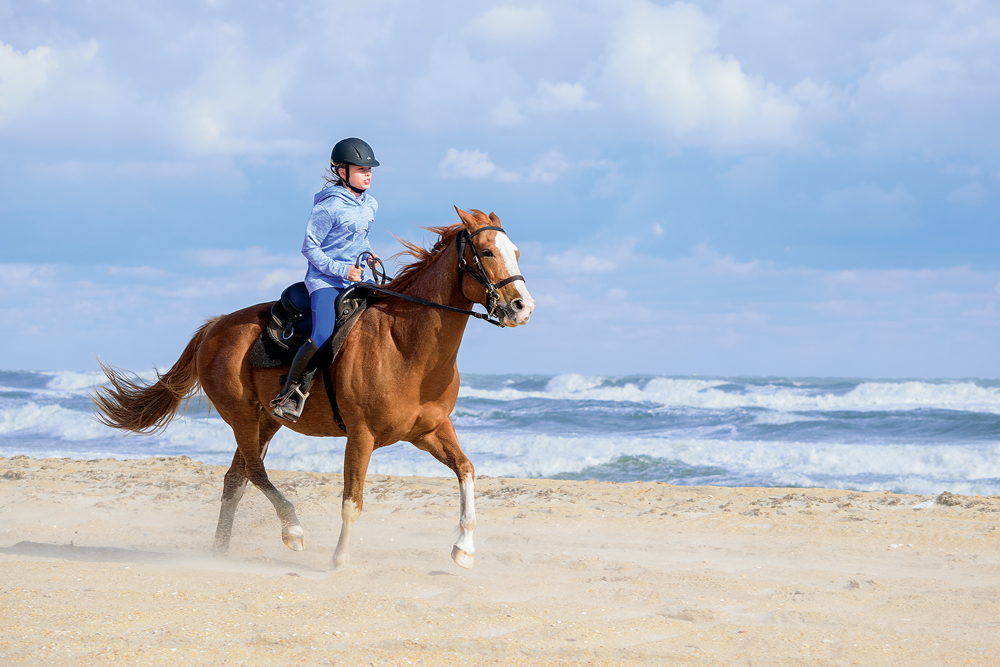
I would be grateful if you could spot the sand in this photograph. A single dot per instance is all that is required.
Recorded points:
(110, 562)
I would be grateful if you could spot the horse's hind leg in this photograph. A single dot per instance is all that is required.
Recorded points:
(291, 529)
(232, 491)
(252, 447)
(443, 445)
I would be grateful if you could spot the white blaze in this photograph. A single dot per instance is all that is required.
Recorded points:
(508, 252)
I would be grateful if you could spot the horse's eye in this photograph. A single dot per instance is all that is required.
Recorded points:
(487, 253)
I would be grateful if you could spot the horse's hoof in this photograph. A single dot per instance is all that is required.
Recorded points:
(292, 537)
(340, 562)
(463, 558)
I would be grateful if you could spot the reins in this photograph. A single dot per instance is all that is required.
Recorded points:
(492, 296)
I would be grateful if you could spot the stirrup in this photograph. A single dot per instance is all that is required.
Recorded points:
(289, 405)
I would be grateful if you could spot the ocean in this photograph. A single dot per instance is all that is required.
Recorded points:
(909, 436)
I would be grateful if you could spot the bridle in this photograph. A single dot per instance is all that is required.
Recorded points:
(476, 270)
(479, 273)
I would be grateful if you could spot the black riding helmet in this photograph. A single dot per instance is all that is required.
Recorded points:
(352, 151)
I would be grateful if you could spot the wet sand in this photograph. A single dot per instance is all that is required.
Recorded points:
(110, 562)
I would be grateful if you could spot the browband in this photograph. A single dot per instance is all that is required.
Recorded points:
(487, 228)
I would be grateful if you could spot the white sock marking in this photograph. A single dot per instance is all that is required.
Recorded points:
(467, 518)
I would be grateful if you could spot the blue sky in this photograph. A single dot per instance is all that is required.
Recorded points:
(721, 188)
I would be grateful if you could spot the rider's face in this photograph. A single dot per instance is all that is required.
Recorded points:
(361, 177)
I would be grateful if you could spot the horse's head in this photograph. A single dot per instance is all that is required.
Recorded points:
(489, 256)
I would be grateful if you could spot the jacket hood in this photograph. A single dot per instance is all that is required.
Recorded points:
(340, 192)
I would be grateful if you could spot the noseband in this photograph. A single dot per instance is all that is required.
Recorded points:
(478, 272)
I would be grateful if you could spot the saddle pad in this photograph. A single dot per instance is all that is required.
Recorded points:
(274, 348)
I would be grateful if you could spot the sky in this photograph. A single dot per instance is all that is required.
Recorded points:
(794, 188)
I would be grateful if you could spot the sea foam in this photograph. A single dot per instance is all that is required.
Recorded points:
(720, 394)
(919, 436)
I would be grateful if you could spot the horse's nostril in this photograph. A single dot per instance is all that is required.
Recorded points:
(517, 304)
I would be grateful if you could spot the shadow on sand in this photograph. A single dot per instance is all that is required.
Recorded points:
(119, 555)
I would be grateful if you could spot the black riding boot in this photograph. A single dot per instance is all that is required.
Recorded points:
(292, 399)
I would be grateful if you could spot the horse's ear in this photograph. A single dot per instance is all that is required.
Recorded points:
(465, 217)
(494, 218)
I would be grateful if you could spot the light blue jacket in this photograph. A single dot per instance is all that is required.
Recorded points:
(336, 234)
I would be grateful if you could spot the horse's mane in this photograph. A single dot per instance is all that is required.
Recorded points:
(424, 256)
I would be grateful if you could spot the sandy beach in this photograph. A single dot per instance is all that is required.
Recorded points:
(109, 562)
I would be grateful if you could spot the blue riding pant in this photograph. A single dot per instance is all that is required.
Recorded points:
(322, 301)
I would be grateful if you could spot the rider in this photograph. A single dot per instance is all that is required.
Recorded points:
(337, 232)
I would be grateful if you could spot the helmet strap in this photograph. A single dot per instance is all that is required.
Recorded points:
(347, 179)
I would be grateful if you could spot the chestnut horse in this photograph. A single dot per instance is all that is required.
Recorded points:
(395, 378)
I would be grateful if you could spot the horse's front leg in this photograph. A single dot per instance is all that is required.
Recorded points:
(357, 454)
(443, 445)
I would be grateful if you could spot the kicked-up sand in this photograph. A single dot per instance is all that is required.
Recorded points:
(107, 562)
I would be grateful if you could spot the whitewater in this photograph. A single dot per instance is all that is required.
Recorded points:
(910, 436)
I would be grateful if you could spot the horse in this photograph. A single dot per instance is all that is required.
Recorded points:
(395, 378)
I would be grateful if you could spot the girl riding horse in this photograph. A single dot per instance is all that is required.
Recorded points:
(337, 233)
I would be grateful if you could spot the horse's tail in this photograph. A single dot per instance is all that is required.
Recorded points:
(130, 404)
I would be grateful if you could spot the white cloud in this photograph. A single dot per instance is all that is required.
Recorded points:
(932, 80)
(476, 165)
(666, 64)
(455, 89)
(548, 167)
(17, 276)
(471, 165)
(575, 262)
(371, 28)
(84, 101)
(549, 98)
(562, 96)
(507, 114)
(22, 75)
(922, 74)
(239, 86)
(69, 83)
(821, 102)
(236, 106)
(507, 24)
(90, 125)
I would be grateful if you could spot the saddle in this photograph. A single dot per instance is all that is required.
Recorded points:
(290, 324)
